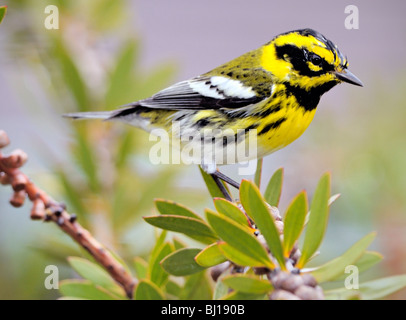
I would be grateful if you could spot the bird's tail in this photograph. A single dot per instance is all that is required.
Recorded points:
(104, 115)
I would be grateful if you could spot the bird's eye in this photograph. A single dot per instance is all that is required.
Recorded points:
(315, 59)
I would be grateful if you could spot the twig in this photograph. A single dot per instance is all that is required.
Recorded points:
(46, 209)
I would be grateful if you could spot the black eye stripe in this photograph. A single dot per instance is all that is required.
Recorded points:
(316, 59)
(299, 58)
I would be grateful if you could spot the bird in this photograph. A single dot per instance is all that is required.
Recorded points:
(273, 91)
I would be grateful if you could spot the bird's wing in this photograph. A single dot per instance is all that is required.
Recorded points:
(203, 92)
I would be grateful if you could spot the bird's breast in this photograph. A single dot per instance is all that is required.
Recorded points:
(281, 128)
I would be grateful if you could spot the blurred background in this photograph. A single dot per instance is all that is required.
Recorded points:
(108, 53)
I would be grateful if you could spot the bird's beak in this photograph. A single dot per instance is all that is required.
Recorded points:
(347, 76)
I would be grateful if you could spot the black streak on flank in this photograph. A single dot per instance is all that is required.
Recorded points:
(225, 141)
(251, 127)
(202, 122)
(180, 117)
(268, 111)
(273, 125)
(239, 135)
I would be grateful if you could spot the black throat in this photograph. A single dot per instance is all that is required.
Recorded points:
(308, 99)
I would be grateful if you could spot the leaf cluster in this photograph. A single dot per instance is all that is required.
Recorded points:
(244, 243)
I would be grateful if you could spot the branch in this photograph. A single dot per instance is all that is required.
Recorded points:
(46, 209)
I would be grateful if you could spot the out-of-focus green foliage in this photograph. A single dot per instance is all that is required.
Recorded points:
(105, 178)
(334, 268)
(3, 11)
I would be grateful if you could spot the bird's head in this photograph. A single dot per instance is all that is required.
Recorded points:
(306, 59)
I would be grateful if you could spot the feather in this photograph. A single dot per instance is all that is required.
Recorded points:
(89, 115)
(202, 93)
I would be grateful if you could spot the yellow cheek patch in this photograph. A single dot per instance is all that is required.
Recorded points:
(308, 83)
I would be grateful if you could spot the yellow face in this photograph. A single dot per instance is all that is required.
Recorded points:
(303, 58)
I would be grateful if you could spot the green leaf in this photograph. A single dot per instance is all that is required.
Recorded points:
(238, 237)
(169, 207)
(84, 289)
(178, 243)
(318, 218)
(294, 222)
(158, 244)
(214, 190)
(85, 157)
(106, 15)
(236, 295)
(342, 294)
(371, 290)
(258, 173)
(197, 287)
(182, 262)
(71, 75)
(141, 268)
(157, 274)
(256, 207)
(3, 11)
(125, 201)
(121, 81)
(247, 283)
(237, 257)
(336, 267)
(194, 228)
(380, 288)
(94, 273)
(172, 288)
(274, 189)
(147, 290)
(230, 210)
(124, 148)
(210, 256)
(367, 260)
(221, 289)
(331, 200)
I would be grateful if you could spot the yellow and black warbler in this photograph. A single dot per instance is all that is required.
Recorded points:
(273, 90)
